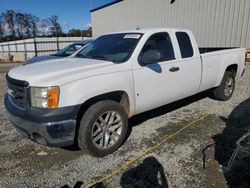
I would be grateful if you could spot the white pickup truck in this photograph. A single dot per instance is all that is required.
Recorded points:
(88, 99)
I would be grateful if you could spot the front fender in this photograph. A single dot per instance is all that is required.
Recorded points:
(80, 91)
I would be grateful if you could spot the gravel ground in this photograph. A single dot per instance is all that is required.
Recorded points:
(6, 66)
(178, 162)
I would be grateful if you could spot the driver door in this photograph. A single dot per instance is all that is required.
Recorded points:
(157, 83)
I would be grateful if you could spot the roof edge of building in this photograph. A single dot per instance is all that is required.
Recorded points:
(106, 5)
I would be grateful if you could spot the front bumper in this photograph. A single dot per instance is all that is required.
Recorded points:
(47, 127)
(61, 133)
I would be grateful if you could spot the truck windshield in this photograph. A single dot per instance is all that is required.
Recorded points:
(69, 50)
(113, 47)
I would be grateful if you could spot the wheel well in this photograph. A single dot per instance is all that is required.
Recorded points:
(233, 67)
(118, 96)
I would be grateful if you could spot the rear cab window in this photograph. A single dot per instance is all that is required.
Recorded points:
(185, 44)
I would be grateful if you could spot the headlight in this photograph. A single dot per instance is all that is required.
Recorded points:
(44, 97)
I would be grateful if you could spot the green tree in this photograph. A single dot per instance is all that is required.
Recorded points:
(27, 24)
(9, 18)
(33, 25)
(87, 32)
(75, 33)
(2, 31)
(43, 27)
(19, 23)
(56, 28)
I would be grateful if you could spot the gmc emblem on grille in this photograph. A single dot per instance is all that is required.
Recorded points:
(11, 92)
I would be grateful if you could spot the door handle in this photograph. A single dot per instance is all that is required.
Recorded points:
(174, 69)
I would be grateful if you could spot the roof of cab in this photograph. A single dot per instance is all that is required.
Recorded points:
(149, 30)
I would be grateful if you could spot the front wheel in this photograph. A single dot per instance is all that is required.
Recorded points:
(225, 90)
(103, 128)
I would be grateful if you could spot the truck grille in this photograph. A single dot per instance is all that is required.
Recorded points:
(17, 91)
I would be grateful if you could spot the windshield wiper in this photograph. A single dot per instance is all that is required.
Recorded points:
(98, 57)
(60, 55)
(56, 54)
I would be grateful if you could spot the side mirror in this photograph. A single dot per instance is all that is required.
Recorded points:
(150, 56)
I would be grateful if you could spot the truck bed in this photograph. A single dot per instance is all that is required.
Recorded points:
(214, 62)
(204, 50)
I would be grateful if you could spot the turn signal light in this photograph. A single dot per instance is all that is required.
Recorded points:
(53, 97)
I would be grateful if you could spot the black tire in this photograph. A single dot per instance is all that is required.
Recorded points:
(88, 124)
(220, 93)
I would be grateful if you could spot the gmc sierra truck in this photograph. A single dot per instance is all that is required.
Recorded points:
(87, 100)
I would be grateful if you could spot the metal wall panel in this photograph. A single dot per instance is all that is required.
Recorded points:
(215, 23)
(245, 23)
(248, 31)
(225, 23)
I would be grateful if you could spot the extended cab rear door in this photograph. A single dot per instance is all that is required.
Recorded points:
(189, 63)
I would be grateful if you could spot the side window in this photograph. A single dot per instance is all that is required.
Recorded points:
(161, 43)
(185, 44)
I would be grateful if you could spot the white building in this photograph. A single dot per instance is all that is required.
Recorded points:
(215, 23)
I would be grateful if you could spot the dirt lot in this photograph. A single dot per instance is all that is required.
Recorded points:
(177, 162)
(6, 66)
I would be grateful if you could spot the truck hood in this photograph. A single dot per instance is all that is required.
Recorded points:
(41, 58)
(58, 72)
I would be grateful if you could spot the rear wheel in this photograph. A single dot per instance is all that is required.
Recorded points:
(225, 90)
(103, 128)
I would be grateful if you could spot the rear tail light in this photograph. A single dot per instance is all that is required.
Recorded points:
(247, 57)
